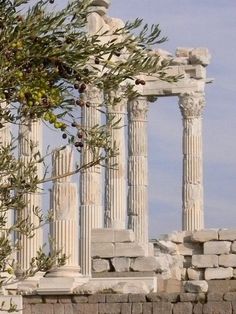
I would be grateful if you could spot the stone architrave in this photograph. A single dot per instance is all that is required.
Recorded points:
(116, 203)
(64, 201)
(30, 143)
(138, 169)
(91, 209)
(191, 106)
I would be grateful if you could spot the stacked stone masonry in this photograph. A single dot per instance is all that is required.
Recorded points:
(190, 257)
(153, 303)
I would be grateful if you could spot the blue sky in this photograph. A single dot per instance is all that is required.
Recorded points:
(191, 23)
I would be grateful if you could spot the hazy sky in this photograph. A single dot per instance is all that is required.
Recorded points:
(191, 23)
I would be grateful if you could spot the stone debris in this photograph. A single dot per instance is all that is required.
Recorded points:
(196, 286)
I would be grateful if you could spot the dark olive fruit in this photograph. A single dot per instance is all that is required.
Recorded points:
(51, 1)
(87, 104)
(80, 135)
(73, 124)
(64, 135)
(97, 61)
(138, 81)
(82, 88)
(117, 53)
(142, 82)
(78, 77)
(76, 86)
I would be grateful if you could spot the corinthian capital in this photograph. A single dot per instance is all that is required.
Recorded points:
(192, 104)
(94, 95)
(138, 109)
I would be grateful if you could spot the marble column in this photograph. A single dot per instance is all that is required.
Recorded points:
(138, 169)
(91, 209)
(30, 142)
(64, 227)
(191, 106)
(116, 199)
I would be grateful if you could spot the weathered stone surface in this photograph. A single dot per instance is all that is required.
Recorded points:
(204, 261)
(233, 248)
(234, 273)
(197, 308)
(180, 308)
(162, 308)
(102, 250)
(188, 297)
(165, 297)
(43, 308)
(196, 286)
(117, 298)
(183, 52)
(146, 263)
(189, 249)
(129, 250)
(184, 274)
(227, 234)
(50, 299)
(124, 235)
(200, 56)
(187, 261)
(69, 309)
(222, 286)
(227, 260)
(176, 272)
(109, 308)
(218, 273)
(137, 297)
(79, 299)
(104, 3)
(121, 264)
(100, 265)
(105, 235)
(205, 235)
(135, 288)
(166, 246)
(59, 308)
(230, 296)
(137, 308)
(215, 296)
(172, 286)
(217, 308)
(126, 308)
(147, 308)
(33, 299)
(217, 247)
(96, 298)
(195, 274)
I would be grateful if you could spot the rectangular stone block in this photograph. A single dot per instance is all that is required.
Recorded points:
(205, 235)
(230, 296)
(124, 235)
(215, 296)
(104, 250)
(68, 309)
(129, 250)
(162, 308)
(96, 298)
(189, 249)
(105, 235)
(32, 299)
(227, 260)
(109, 308)
(80, 299)
(217, 307)
(126, 308)
(137, 298)
(195, 274)
(147, 308)
(227, 234)
(221, 286)
(42, 308)
(59, 308)
(85, 308)
(218, 273)
(217, 247)
(117, 298)
(137, 308)
(183, 308)
(204, 261)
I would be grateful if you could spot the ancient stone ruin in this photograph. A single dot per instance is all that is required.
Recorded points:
(112, 265)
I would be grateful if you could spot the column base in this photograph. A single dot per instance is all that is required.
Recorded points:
(64, 271)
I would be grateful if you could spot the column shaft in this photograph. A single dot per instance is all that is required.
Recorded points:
(30, 142)
(138, 169)
(191, 106)
(91, 209)
(64, 228)
(116, 197)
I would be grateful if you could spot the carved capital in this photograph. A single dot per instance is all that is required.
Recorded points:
(117, 103)
(192, 104)
(138, 109)
(94, 95)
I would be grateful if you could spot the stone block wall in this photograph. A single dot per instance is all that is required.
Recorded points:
(152, 303)
(185, 256)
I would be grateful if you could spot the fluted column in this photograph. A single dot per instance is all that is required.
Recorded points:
(91, 209)
(191, 106)
(116, 200)
(30, 142)
(138, 169)
(64, 228)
